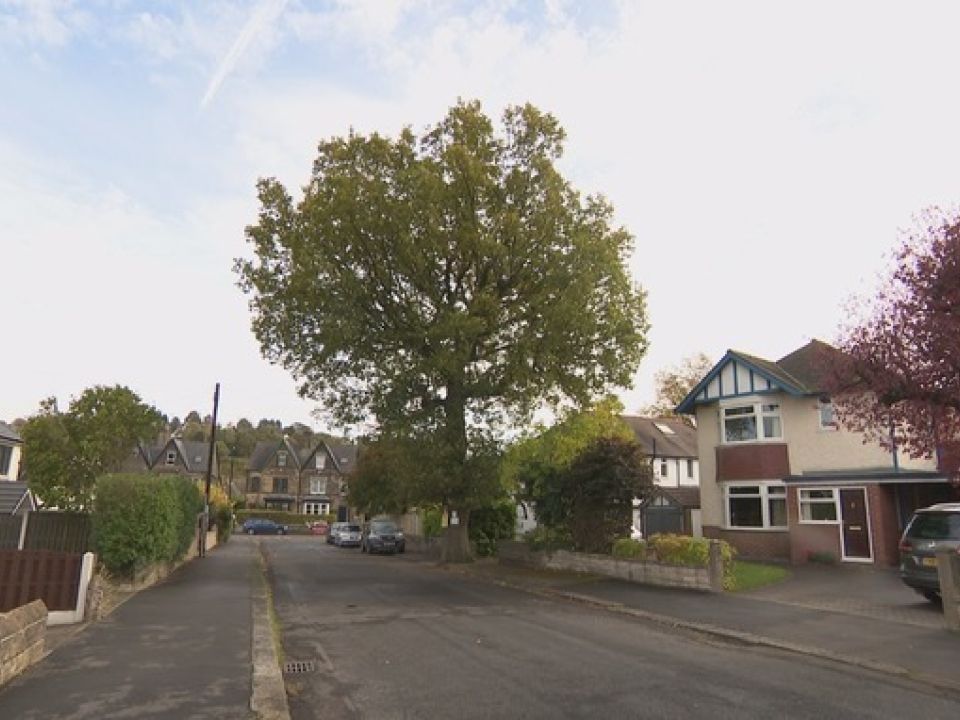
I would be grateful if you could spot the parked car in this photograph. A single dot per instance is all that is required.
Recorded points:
(261, 526)
(928, 530)
(349, 536)
(319, 527)
(334, 531)
(382, 536)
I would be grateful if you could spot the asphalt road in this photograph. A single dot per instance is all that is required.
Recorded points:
(392, 637)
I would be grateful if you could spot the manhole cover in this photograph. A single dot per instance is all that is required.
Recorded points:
(298, 666)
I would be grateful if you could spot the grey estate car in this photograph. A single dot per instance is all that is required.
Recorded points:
(930, 528)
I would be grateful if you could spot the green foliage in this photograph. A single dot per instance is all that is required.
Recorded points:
(692, 552)
(448, 285)
(490, 524)
(673, 384)
(139, 520)
(630, 549)
(432, 520)
(64, 453)
(547, 538)
(223, 517)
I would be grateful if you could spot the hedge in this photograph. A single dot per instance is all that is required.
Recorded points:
(139, 520)
(282, 517)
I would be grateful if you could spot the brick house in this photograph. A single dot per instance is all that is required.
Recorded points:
(176, 456)
(781, 479)
(311, 481)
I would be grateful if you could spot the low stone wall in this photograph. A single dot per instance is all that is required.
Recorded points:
(22, 635)
(650, 573)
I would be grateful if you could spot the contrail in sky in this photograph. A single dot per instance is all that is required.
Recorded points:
(263, 15)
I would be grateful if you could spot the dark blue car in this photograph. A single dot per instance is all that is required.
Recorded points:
(259, 526)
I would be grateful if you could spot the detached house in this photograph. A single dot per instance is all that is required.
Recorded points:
(780, 478)
(311, 481)
(674, 504)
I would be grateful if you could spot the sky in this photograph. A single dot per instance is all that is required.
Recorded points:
(765, 156)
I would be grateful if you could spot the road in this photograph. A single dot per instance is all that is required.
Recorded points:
(392, 637)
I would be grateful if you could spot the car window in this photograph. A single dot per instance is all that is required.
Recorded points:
(935, 526)
(383, 527)
(353, 528)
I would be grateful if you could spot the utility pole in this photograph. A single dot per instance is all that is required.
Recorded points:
(206, 489)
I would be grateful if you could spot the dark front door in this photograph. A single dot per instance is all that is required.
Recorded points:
(856, 531)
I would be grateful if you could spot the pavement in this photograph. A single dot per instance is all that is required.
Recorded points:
(179, 649)
(855, 616)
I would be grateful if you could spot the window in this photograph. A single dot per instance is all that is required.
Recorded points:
(281, 459)
(818, 505)
(665, 429)
(828, 419)
(171, 457)
(6, 452)
(689, 468)
(316, 508)
(664, 470)
(318, 486)
(745, 423)
(279, 485)
(254, 484)
(762, 506)
(321, 461)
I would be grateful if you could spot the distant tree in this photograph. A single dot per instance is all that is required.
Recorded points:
(174, 425)
(447, 285)
(192, 417)
(905, 350)
(674, 383)
(64, 453)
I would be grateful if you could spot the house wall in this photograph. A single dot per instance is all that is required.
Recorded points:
(13, 472)
(676, 472)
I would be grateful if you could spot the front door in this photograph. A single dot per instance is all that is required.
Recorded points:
(855, 528)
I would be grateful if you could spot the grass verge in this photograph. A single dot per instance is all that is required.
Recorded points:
(752, 575)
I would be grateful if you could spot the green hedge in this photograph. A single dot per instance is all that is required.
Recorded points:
(630, 549)
(139, 520)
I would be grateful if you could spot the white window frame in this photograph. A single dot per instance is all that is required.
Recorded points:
(314, 507)
(664, 470)
(833, 500)
(757, 405)
(321, 461)
(318, 486)
(282, 458)
(171, 457)
(764, 497)
(690, 473)
(831, 426)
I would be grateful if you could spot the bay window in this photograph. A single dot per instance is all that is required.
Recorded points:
(760, 506)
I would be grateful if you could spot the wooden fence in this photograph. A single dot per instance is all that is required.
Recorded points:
(10, 531)
(27, 575)
(58, 531)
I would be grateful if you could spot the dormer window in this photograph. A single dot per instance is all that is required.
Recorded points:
(171, 457)
(281, 459)
(749, 423)
(321, 461)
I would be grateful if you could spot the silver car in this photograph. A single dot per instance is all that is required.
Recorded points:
(929, 529)
(349, 536)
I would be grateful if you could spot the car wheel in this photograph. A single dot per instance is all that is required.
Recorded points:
(932, 595)
(363, 548)
(402, 550)
(251, 532)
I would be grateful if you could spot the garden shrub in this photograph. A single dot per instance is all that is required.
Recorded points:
(692, 552)
(545, 538)
(490, 524)
(630, 549)
(139, 520)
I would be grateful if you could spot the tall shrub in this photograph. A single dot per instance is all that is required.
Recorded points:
(139, 520)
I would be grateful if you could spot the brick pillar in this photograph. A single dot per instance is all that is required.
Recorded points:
(715, 567)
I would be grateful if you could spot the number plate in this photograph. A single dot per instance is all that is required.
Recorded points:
(928, 562)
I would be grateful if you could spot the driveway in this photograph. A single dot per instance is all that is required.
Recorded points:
(854, 590)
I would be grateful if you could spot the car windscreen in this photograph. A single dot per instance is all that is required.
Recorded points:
(935, 526)
(383, 527)
(352, 528)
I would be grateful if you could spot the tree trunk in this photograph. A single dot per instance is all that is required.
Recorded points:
(456, 542)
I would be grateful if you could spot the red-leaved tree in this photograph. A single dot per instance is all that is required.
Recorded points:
(905, 352)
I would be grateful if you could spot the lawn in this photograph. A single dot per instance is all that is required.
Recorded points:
(751, 575)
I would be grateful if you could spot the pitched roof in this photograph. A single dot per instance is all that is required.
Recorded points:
(802, 372)
(262, 452)
(195, 454)
(13, 495)
(679, 440)
(688, 497)
(8, 433)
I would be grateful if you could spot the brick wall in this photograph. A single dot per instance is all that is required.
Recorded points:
(22, 636)
(757, 545)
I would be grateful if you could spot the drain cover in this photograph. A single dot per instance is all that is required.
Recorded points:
(298, 666)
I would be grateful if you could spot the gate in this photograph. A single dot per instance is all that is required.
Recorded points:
(661, 515)
(27, 575)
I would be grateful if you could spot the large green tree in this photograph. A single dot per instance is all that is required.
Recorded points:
(65, 452)
(447, 285)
